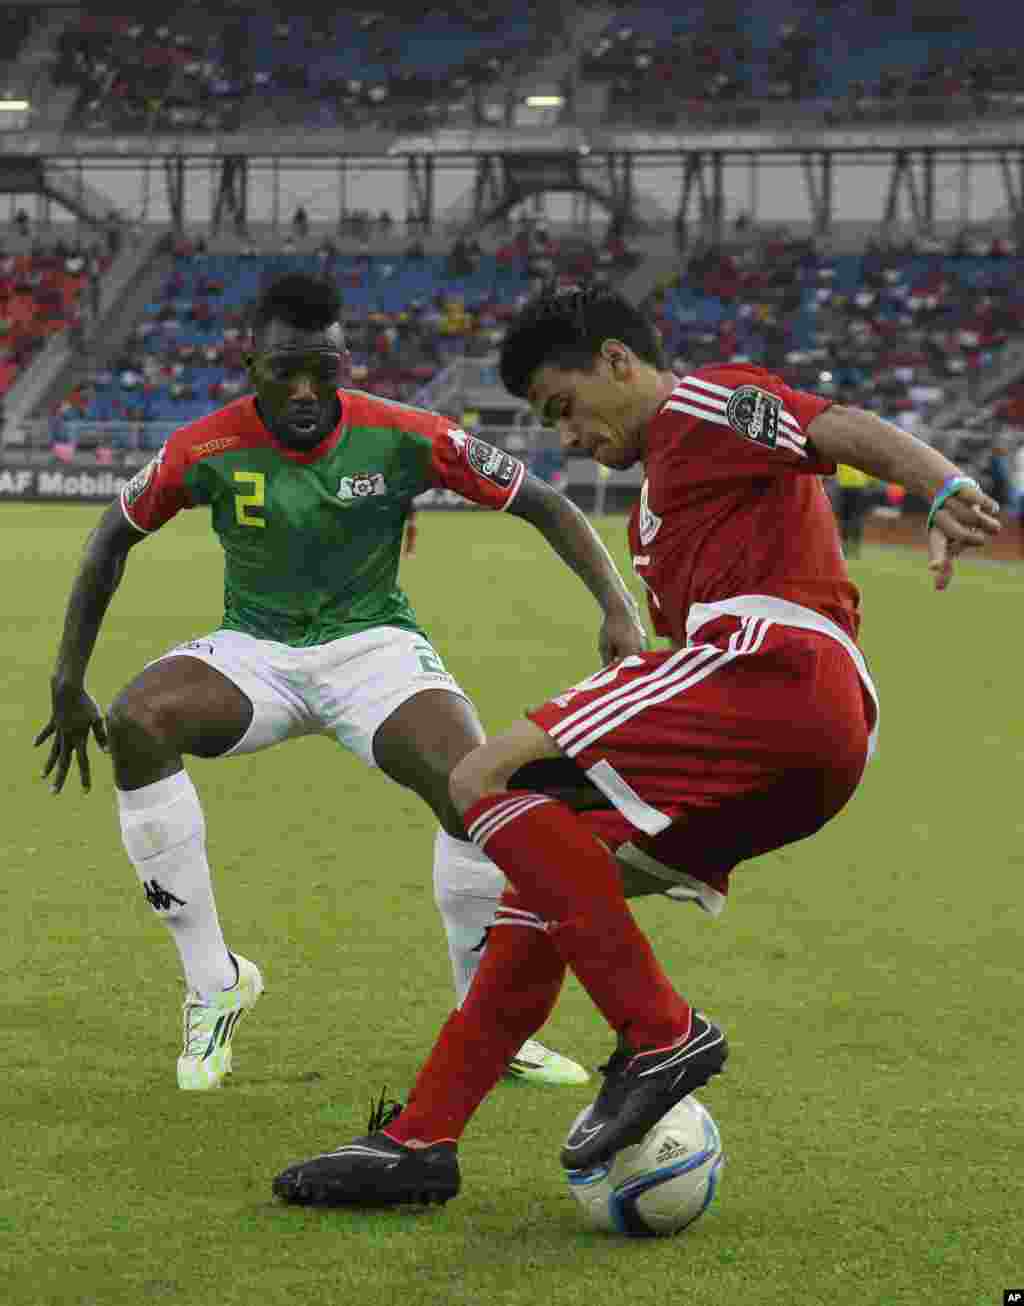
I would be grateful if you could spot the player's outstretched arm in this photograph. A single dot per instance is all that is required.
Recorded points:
(573, 538)
(962, 516)
(75, 714)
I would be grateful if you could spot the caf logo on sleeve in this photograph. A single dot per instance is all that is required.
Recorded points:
(136, 487)
(493, 464)
(754, 413)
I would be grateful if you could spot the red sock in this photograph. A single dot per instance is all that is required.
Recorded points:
(570, 880)
(512, 994)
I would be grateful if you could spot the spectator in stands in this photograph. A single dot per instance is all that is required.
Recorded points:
(459, 262)
(201, 313)
(62, 443)
(300, 223)
(854, 501)
(326, 253)
(1001, 474)
(76, 331)
(113, 234)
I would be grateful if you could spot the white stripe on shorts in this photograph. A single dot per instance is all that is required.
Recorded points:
(671, 662)
(748, 639)
(610, 703)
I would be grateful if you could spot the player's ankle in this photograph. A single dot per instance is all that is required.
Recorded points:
(418, 1144)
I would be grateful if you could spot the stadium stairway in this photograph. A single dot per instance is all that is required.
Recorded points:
(76, 195)
(28, 75)
(658, 269)
(550, 74)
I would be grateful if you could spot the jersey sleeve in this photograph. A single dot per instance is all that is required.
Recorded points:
(157, 492)
(473, 468)
(759, 408)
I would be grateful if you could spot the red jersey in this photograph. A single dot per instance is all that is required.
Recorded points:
(733, 503)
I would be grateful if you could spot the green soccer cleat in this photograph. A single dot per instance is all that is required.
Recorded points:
(205, 1060)
(536, 1064)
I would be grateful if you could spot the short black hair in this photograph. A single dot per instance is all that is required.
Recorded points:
(298, 300)
(566, 328)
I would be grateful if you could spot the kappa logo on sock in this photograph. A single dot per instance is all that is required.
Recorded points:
(159, 898)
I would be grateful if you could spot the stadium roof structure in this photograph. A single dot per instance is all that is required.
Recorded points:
(511, 165)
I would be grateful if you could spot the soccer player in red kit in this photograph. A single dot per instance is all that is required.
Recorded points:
(752, 730)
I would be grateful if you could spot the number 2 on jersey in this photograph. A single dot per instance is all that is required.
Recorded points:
(248, 505)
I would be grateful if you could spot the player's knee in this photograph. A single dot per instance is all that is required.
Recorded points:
(470, 780)
(134, 718)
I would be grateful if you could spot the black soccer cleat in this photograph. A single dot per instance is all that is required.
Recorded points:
(373, 1171)
(638, 1090)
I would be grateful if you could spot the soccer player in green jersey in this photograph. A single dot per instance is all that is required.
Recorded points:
(309, 488)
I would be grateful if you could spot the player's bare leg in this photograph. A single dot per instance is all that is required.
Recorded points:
(183, 706)
(490, 768)
(177, 706)
(418, 746)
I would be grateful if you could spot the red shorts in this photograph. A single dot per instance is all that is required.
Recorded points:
(720, 751)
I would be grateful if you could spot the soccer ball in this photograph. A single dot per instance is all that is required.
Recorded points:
(659, 1185)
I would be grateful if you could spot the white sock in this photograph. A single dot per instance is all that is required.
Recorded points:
(467, 886)
(164, 834)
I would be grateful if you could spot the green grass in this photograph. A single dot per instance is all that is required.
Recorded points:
(870, 981)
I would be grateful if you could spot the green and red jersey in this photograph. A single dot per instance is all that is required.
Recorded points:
(312, 540)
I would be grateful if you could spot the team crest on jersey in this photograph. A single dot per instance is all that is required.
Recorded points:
(362, 486)
(494, 465)
(754, 413)
(650, 522)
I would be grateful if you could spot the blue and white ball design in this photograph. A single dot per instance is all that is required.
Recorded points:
(659, 1185)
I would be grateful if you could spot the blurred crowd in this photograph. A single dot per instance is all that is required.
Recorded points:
(47, 284)
(845, 60)
(908, 331)
(189, 347)
(220, 65)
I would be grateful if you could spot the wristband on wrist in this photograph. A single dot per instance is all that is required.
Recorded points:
(950, 487)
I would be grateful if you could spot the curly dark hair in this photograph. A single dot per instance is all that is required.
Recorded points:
(309, 303)
(566, 328)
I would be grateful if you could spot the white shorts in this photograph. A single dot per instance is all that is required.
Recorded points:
(347, 688)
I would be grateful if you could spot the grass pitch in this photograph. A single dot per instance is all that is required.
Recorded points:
(869, 979)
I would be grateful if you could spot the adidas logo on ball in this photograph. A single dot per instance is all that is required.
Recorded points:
(659, 1185)
(669, 1150)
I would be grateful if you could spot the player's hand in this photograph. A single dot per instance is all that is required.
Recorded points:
(967, 520)
(622, 633)
(75, 715)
